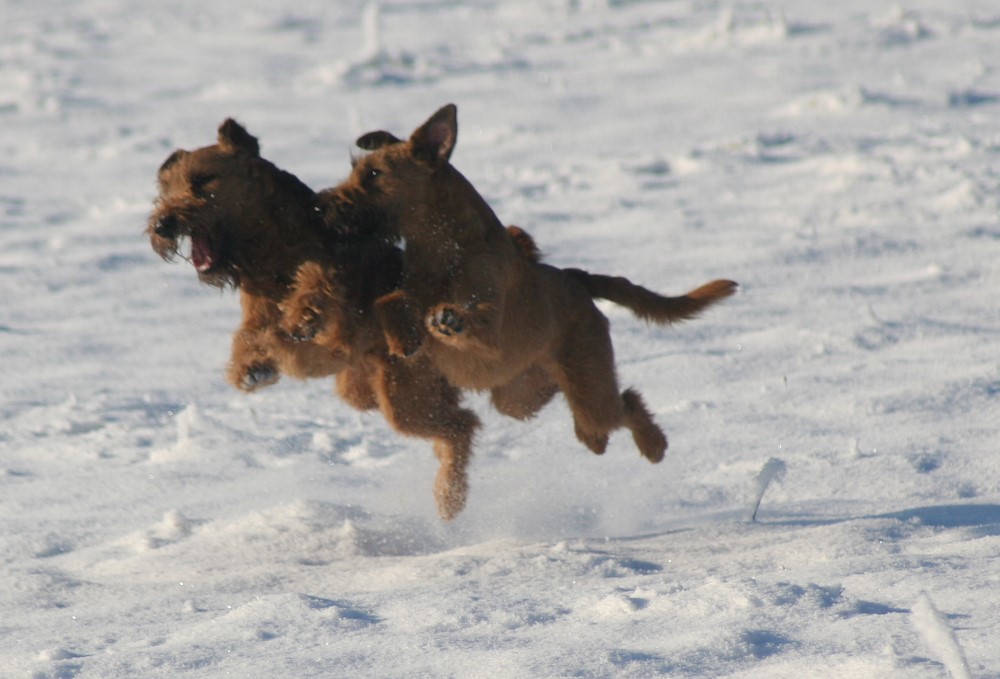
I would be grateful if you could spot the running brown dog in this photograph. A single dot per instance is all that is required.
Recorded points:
(257, 228)
(488, 317)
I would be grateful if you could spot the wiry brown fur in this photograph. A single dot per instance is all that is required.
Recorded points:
(485, 315)
(249, 225)
(261, 230)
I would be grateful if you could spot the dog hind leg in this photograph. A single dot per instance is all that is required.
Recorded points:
(648, 437)
(598, 410)
(585, 372)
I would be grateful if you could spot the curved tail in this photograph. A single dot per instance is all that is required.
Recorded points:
(649, 305)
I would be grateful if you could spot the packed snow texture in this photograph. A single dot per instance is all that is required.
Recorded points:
(840, 160)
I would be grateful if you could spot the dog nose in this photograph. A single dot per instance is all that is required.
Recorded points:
(166, 226)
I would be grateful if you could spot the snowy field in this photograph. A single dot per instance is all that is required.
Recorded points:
(841, 160)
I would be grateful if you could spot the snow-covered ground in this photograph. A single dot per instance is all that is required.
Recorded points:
(841, 160)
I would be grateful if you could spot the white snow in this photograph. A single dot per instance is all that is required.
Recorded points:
(841, 160)
(939, 636)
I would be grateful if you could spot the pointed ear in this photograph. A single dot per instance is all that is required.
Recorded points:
(435, 140)
(376, 140)
(233, 137)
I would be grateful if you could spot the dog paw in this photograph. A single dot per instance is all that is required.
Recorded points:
(450, 492)
(306, 327)
(446, 322)
(258, 375)
(597, 442)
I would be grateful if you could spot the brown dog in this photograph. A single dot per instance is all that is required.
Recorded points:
(250, 225)
(259, 229)
(490, 318)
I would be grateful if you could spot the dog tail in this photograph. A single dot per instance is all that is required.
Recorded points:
(648, 305)
(525, 243)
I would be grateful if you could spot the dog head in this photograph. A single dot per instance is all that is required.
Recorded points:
(239, 212)
(410, 188)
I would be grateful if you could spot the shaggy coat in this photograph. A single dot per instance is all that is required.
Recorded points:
(488, 317)
(257, 228)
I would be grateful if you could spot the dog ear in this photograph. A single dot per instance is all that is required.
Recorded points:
(376, 140)
(435, 140)
(233, 137)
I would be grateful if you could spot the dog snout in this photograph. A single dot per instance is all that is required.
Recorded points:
(165, 226)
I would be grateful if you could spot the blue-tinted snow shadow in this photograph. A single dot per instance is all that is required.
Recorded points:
(983, 518)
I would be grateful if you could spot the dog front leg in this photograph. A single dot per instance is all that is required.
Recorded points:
(399, 315)
(467, 328)
(252, 365)
(314, 308)
(471, 321)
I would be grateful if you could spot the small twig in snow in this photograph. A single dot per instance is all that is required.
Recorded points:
(773, 470)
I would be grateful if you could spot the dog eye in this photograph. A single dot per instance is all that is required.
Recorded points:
(199, 182)
(370, 176)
